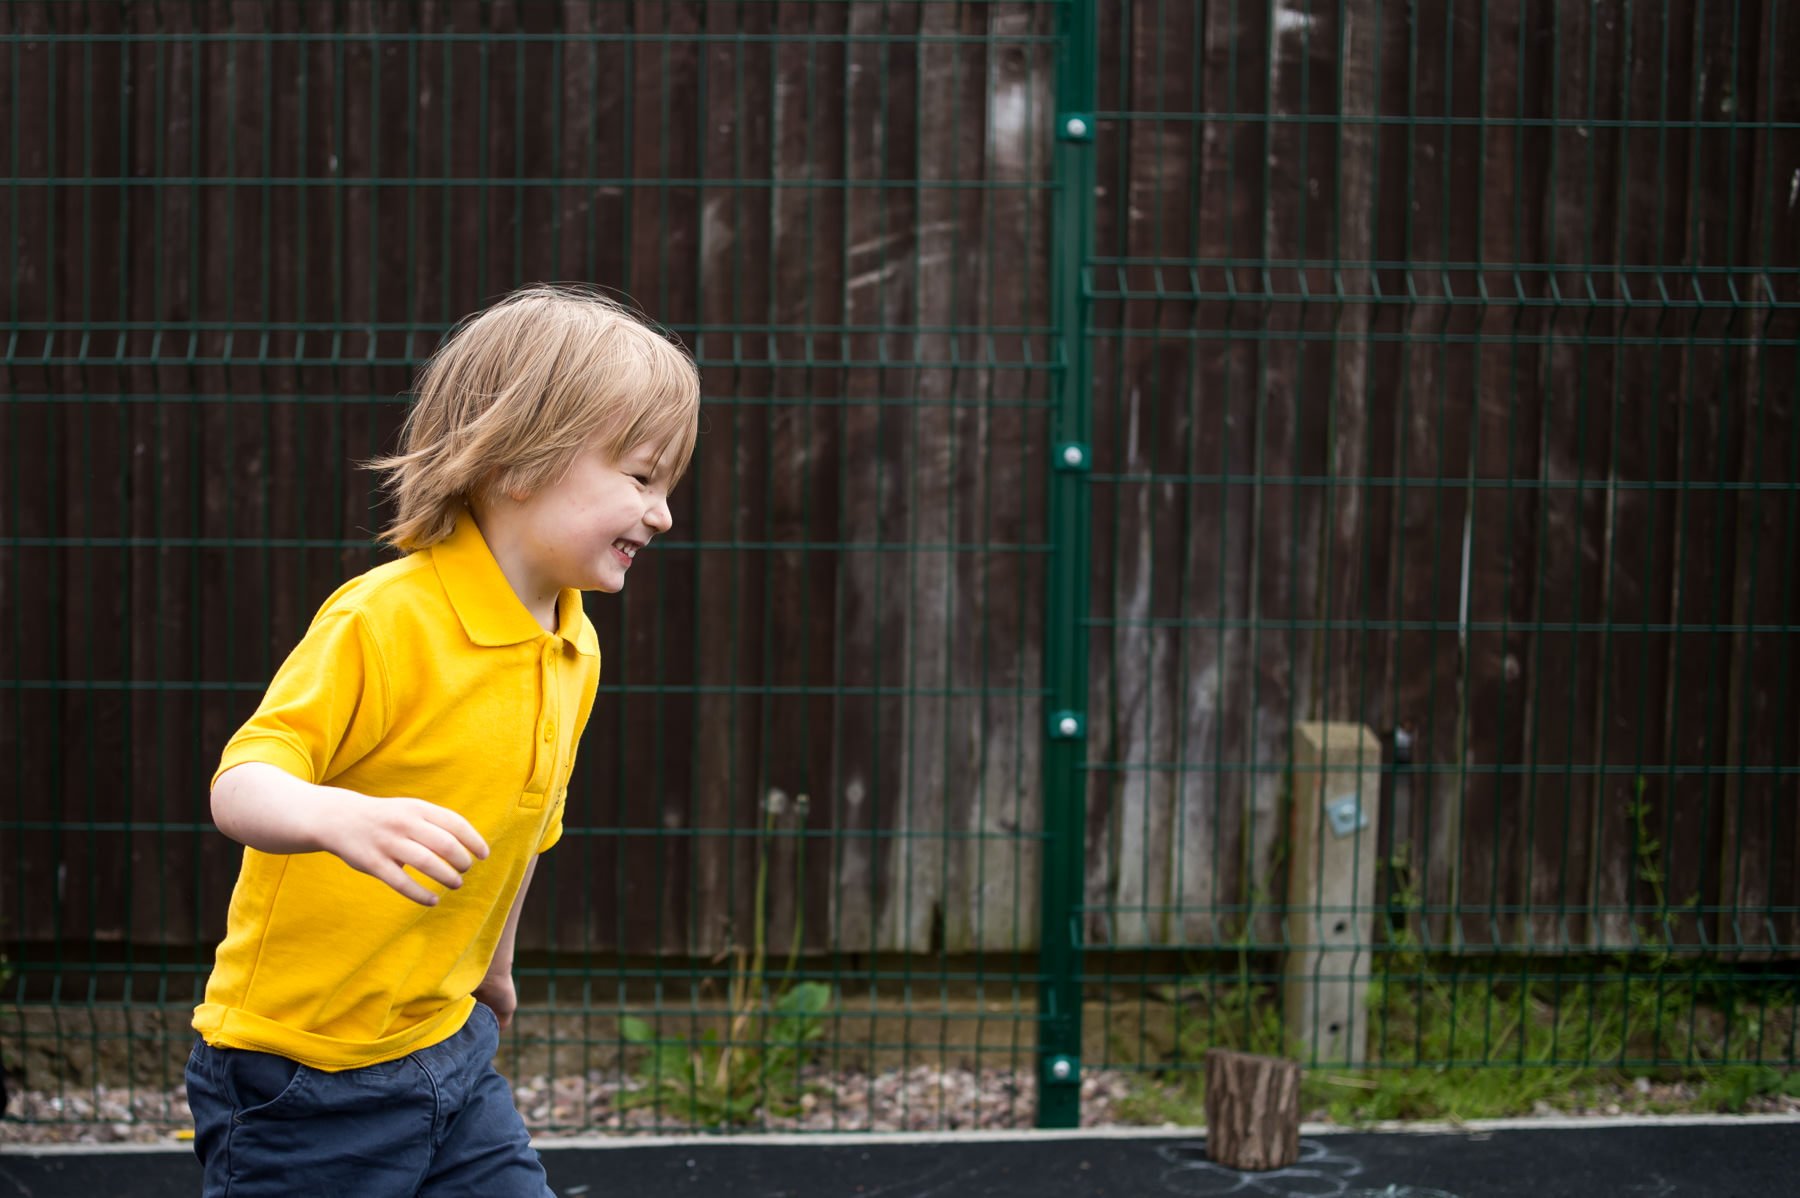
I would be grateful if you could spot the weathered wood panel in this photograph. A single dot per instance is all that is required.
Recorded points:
(1501, 564)
(1758, 866)
(1543, 445)
(1380, 291)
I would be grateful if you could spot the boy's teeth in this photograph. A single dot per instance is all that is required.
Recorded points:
(627, 549)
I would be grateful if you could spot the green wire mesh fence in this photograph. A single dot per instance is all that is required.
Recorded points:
(1443, 609)
(1267, 524)
(802, 838)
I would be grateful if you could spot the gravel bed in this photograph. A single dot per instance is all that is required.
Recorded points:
(923, 1098)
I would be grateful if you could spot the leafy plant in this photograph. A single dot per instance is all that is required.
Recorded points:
(1647, 852)
(1239, 1011)
(1463, 1038)
(718, 1081)
(1732, 1089)
(715, 1080)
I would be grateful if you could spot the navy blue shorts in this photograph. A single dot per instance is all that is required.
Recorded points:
(439, 1123)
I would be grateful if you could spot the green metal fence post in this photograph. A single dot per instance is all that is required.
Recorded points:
(1065, 632)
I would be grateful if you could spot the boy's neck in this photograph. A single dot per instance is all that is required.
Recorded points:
(539, 600)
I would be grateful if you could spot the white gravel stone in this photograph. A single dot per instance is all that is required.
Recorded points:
(921, 1098)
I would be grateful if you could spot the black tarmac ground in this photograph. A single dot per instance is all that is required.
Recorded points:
(1727, 1159)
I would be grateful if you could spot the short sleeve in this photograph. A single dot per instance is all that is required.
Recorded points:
(326, 707)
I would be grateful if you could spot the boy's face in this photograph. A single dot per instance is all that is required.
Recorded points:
(584, 531)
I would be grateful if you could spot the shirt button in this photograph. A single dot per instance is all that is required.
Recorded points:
(549, 733)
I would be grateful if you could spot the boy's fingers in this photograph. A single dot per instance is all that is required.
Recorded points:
(446, 846)
(430, 864)
(396, 878)
(458, 827)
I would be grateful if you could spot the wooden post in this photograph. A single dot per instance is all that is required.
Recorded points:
(1252, 1110)
(1331, 888)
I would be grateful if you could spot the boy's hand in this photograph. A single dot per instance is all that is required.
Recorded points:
(381, 836)
(499, 993)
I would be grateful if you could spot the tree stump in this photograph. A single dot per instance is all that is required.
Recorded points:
(1252, 1110)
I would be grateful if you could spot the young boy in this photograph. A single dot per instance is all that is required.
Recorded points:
(410, 760)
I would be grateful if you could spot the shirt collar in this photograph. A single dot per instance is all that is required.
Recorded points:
(490, 612)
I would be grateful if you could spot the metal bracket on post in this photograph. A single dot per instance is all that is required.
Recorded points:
(1075, 126)
(1346, 815)
(1062, 1070)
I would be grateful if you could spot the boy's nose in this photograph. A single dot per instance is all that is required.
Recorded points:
(658, 516)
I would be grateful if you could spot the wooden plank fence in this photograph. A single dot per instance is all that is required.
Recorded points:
(1445, 377)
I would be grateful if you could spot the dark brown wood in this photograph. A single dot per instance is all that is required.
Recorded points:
(1252, 1110)
(1505, 438)
(1758, 811)
(1682, 877)
(1633, 673)
(823, 188)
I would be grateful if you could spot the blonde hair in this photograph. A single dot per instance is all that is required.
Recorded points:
(520, 389)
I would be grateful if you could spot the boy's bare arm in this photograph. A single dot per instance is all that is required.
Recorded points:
(269, 809)
(497, 989)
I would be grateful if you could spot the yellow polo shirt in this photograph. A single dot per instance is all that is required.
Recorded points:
(424, 678)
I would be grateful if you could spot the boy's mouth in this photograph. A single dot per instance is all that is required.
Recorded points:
(626, 549)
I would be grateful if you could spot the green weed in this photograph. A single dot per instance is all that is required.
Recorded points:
(1466, 1038)
(717, 1081)
(1732, 1089)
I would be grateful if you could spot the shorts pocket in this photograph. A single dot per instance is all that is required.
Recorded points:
(261, 1084)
